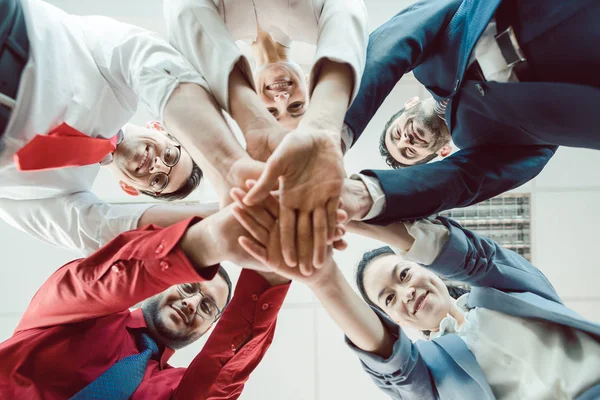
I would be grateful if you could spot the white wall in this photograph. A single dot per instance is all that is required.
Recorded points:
(308, 359)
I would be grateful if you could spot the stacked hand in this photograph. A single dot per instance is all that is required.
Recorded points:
(309, 169)
(263, 238)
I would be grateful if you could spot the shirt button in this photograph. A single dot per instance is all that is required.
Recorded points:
(116, 269)
(254, 297)
(480, 89)
(164, 265)
(159, 248)
(265, 306)
(233, 347)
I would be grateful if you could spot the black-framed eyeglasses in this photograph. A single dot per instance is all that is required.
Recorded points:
(207, 309)
(170, 157)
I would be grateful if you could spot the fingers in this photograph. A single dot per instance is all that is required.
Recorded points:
(304, 243)
(340, 244)
(264, 217)
(249, 223)
(254, 249)
(332, 207)
(271, 203)
(319, 223)
(267, 181)
(287, 226)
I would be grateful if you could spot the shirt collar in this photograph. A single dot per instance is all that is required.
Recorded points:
(137, 321)
(109, 157)
(449, 323)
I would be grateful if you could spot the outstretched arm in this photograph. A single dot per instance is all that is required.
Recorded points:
(465, 178)
(394, 49)
(239, 342)
(387, 355)
(197, 30)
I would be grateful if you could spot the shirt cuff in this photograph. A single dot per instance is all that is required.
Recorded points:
(347, 138)
(430, 237)
(377, 195)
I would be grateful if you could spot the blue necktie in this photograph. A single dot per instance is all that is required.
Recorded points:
(122, 379)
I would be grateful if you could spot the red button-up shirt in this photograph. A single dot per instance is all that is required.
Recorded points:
(78, 324)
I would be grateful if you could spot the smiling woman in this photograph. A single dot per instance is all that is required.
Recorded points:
(410, 294)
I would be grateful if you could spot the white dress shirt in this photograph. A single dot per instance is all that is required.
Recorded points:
(526, 359)
(90, 72)
(205, 31)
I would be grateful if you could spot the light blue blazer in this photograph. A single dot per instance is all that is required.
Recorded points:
(445, 368)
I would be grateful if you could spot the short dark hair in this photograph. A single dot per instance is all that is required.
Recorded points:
(391, 161)
(184, 191)
(454, 290)
(223, 274)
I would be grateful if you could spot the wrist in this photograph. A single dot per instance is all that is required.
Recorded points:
(198, 245)
(360, 193)
(328, 284)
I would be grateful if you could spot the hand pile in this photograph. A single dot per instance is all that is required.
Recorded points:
(303, 223)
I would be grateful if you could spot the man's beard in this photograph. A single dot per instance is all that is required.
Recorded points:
(156, 325)
(434, 124)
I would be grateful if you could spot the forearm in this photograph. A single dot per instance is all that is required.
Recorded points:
(132, 267)
(194, 118)
(395, 235)
(165, 215)
(356, 319)
(246, 108)
(238, 343)
(330, 99)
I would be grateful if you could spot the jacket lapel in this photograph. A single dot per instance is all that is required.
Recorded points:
(454, 369)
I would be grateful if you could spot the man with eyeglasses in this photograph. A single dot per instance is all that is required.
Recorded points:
(69, 85)
(78, 339)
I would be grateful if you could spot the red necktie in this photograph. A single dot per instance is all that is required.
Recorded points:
(64, 146)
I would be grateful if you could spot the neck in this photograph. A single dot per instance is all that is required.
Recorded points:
(268, 51)
(456, 314)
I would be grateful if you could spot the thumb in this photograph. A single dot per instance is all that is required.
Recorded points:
(268, 179)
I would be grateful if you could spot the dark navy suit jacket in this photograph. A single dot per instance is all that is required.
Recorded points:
(507, 132)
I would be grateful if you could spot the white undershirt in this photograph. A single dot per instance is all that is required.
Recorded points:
(524, 358)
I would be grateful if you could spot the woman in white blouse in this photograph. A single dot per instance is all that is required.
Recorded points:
(307, 160)
(510, 337)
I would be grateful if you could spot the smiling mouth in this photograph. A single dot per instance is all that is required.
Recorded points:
(143, 161)
(280, 86)
(180, 314)
(420, 302)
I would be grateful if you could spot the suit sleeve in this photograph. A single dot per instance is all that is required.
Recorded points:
(132, 267)
(396, 48)
(467, 177)
(197, 30)
(80, 221)
(404, 375)
(238, 343)
(479, 261)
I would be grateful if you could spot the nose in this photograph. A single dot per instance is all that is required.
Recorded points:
(407, 138)
(191, 303)
(158, 166)
(409, 295)
(282, 97)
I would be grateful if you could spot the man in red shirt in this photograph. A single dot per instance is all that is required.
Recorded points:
(78, 324)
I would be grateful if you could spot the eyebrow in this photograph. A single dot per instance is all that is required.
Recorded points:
(394, 273)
